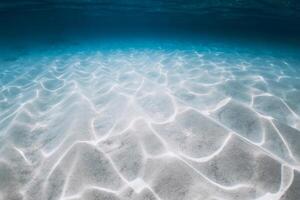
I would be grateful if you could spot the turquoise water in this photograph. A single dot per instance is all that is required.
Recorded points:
(100, 109)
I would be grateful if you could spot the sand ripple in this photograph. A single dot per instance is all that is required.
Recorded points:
(150, 124)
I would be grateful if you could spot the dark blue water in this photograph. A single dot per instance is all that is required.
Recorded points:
(59, 19)
(150, 100)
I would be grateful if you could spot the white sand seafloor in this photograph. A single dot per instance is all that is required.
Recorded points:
(149, 124)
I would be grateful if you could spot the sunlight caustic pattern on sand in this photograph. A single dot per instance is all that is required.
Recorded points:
(149, 124)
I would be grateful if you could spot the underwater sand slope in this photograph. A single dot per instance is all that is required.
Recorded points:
(150, 124)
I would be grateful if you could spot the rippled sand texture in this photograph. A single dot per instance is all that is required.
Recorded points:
(150, 124)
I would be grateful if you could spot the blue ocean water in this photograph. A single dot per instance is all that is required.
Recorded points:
(160, 100)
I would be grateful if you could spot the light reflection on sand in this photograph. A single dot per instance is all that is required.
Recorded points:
(150, 124)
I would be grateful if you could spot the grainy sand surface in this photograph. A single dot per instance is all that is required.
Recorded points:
(150, 124)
